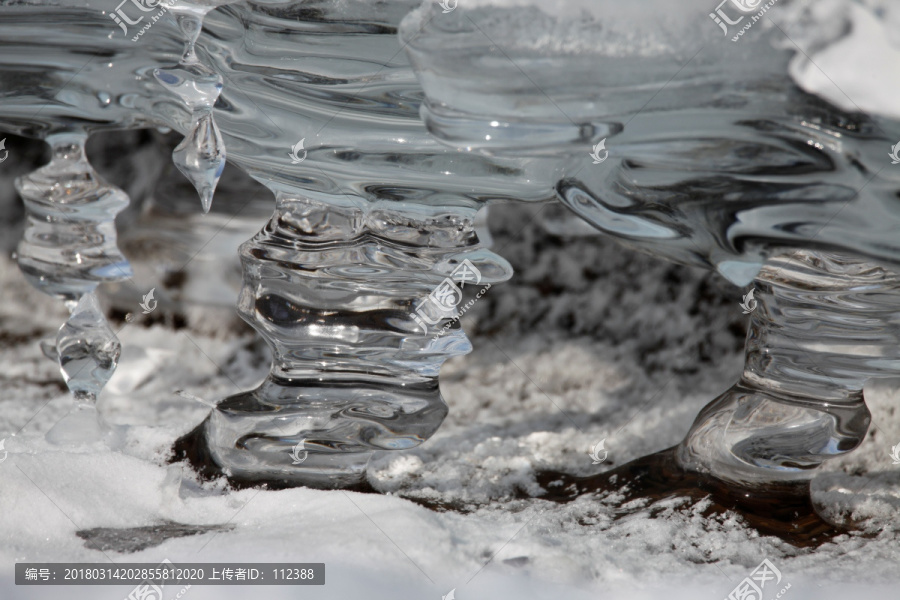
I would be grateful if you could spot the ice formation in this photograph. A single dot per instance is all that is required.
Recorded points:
(713, 159)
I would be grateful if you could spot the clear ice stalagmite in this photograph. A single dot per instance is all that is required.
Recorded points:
(733, 169)
(373, 219)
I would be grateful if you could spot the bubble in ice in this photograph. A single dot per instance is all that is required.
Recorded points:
(195, 83)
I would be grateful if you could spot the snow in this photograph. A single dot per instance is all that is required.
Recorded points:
(566, 354)
(853, 54)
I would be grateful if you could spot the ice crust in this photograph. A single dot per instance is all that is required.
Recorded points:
(846, 51)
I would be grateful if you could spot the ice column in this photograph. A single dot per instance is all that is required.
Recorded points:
(825, 323)
(68, 248)
(338, 294)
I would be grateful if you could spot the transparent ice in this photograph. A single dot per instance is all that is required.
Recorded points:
(69, 244)
(376, 215)
(88, 350)
(201, 155)
(716, 158)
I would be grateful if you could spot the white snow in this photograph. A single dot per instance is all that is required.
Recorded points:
(849, 54)
(553, 373)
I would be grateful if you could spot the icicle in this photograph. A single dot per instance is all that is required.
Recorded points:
(67, 249)
(201, 157)
(201, 154)
(88, 350)
(69, 243)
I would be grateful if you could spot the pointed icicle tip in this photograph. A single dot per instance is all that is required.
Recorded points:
(206, 198)
(201, 157)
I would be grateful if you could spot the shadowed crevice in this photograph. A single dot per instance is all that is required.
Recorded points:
(134, 539)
